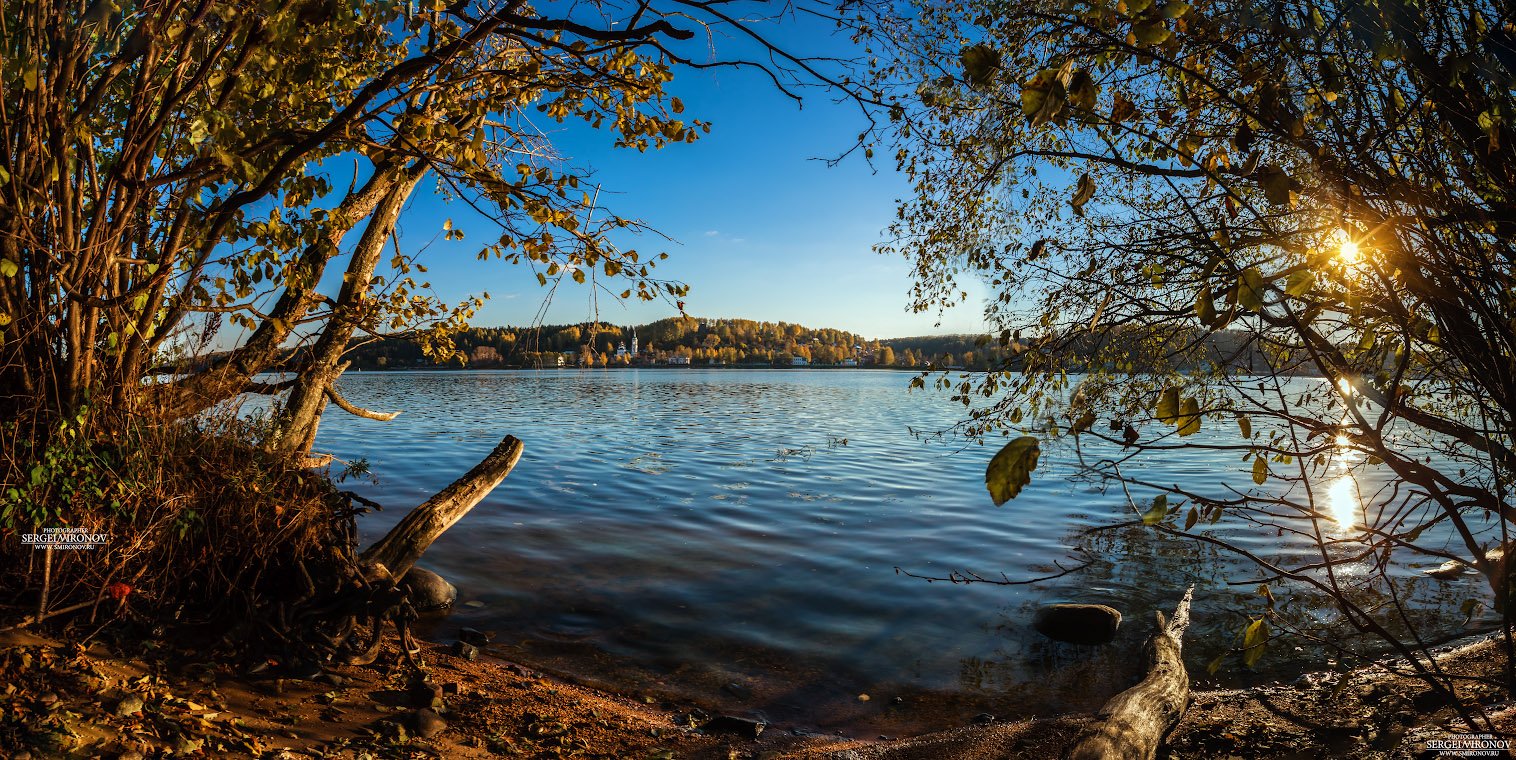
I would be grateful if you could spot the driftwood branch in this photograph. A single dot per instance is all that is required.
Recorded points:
(348, 407)
(405, 543)
(1132, 724)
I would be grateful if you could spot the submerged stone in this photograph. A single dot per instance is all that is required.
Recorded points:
(473, 636)
(1078, 623)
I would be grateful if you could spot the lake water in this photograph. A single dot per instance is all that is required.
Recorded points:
(730, 538)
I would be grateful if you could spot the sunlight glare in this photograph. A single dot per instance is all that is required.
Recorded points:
(1349, 252)
(1342, 500)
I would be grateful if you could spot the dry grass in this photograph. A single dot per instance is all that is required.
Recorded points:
(206, 528)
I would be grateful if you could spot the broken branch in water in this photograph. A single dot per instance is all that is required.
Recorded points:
(405, 543)
(964, 576)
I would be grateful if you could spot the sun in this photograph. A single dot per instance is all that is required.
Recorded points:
(1349, 252)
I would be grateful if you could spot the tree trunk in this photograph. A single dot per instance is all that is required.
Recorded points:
(302, 412)
(1132, 724)
(404, 544)
(230, 374)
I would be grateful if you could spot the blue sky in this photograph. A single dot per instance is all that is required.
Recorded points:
(759, 228)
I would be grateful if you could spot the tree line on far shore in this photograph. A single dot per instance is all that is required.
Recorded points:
(680, 340)
(702, 342)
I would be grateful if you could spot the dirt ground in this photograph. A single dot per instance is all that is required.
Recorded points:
(1365, 713)
(71, 701)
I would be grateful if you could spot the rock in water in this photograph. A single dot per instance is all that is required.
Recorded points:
(476, 637)
(428, 591)
(1078, 623)
(730, 724)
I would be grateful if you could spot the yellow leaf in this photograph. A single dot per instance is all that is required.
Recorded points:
(1083, 192)
(1159, 510)
(1168, 406)
(1260, 469)
(1250, 289)
(979, 64)
(1254, 638)
(1205, 308)
(1151, 33)
(1300, 283)
(1085, 422)
(1011, 469)
(1189, 417)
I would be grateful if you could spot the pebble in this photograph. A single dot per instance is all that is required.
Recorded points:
(429, 723)
(130, 704)
(465, 650)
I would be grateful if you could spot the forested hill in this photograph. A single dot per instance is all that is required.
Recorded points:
(678, 341)
(690, 341)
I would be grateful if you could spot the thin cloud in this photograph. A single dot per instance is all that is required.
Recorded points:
(712, 233)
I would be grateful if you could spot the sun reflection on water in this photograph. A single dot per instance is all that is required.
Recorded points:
(1343, 502)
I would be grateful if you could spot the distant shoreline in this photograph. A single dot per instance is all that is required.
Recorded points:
(657, 367)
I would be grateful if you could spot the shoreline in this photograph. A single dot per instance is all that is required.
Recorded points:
(109, 703)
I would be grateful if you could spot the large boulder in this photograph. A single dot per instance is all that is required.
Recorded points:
(427, 590)
(1078, 623)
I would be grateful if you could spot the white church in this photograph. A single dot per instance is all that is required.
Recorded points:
(621, 349)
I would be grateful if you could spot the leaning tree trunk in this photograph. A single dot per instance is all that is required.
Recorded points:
(1132, 724)
(314, 385)
(404, 544)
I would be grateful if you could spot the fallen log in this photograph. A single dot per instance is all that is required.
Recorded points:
(405, 543)
(1133, 723)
